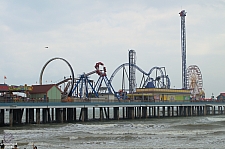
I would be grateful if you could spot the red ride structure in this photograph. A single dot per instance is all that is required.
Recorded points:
(99, 72)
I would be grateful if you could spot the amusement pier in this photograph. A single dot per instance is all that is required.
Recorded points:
(83, 99)
(43, 113)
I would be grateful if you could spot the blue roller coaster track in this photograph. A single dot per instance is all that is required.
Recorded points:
(165, 79)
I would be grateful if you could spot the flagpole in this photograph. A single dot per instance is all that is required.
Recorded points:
(4, 79)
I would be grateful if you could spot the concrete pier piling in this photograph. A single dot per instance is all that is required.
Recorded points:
(18, 115)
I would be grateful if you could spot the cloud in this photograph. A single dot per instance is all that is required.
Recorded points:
(87, 32)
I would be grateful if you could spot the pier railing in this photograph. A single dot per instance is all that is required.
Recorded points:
(104, 100)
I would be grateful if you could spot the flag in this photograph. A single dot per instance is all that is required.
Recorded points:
(5, 77)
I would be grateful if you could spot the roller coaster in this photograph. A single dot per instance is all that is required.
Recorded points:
(83, 87)
(161, 80)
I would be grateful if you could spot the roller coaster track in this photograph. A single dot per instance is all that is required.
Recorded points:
(71, 69)
(63, 81)
(140, 70)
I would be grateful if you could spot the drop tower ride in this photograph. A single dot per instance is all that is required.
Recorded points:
(183, 49)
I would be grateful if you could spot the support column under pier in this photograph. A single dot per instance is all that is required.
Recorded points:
(163, 111)
(205, 110)
(93, 112)
(38, 116)
(44, 115)
(61, 115)
(64, 114)
(135, 112)
(27, 115)
(53, 115)
(106, 113)
(191, 111)
(123, 113)
(101, 113)
(223, 110)
(185, 111)
(149, 112)
(168, 111)
(201, 110)
(172, 111)
(144, 112)
(139, 112)
(198, 111)
(116, 113)
(158, 112)
(154, 111)
(17, 116)
(11, 117)
(180, 111)
(2, 117)
(58, 115)
(74, 114)
(83, 114)
(49, 115)
(31, 115)
(70, 115)
(130, 112)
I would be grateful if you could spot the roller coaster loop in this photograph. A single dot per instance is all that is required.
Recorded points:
(71, 69)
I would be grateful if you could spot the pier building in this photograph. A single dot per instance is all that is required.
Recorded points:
(48, 92)
(160, 94)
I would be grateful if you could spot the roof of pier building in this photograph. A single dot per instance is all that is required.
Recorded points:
(221, 96)
(37, 89)
(4, 87)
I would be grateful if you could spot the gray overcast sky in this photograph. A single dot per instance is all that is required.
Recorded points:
(86, 32)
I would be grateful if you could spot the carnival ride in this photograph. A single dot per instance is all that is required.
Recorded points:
(155, 78)
(85, 88)
(195, 82)
(68, 82)
(82, 87)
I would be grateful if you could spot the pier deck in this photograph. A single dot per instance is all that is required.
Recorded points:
(49, 112)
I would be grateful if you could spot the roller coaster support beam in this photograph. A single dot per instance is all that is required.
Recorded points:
(83, 79)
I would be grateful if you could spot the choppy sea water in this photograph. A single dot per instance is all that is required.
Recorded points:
(180, 132)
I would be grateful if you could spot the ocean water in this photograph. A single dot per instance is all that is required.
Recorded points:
(176, 132)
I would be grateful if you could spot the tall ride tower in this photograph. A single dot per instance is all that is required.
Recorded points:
(183, 48)
(132, 70)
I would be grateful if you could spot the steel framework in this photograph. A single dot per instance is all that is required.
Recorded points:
(183, 48)
(157, 76)
(69, 94)
(84, 85)
(132, 71)
(194, 80)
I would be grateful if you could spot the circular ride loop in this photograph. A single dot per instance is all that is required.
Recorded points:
(70, 81)
(155, 78)
(194, 81)
(85, 88)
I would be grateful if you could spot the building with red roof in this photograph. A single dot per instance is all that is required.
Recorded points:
(221, 97)
(48, 92)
